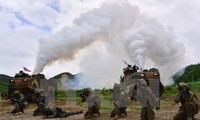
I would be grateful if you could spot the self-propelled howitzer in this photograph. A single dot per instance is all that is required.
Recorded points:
(27, 84)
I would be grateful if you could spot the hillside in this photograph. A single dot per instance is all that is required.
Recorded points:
(190, 73)
(67, 80)
(64, 74)
(3, 86)
(5, 78)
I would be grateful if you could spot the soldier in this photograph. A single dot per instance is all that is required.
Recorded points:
(120, 101)
(20, 102)
(40, 101)
(93, 101)
(57, 112)
(189, 103)
(21, 74)
(147, 99)
(135, 68)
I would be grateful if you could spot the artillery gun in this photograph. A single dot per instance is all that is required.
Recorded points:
(151, 76)
(28, 84)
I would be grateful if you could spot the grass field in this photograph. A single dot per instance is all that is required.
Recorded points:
(172, 89)
(69, 100)
(105, 94)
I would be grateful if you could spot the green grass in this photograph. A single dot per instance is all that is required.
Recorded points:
(172, 90)
(106, 107)
(195, 86)
(61, 94)
(135, 107)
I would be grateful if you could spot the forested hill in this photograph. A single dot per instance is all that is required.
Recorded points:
(191, 73)
(4, 80)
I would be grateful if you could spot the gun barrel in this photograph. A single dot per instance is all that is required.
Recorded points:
(75, 112)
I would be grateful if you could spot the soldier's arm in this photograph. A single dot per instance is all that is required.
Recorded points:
(21, 98)
(177, 98)
(41, 99)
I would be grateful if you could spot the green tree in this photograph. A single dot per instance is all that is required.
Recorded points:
(191, 74)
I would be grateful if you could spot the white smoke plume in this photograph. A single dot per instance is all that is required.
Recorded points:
(123, 31)
(149, 39)
(100, 24)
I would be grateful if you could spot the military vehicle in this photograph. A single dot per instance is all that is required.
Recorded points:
(151, 76)
(27, 85)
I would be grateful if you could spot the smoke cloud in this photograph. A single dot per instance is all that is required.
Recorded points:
(121, 32)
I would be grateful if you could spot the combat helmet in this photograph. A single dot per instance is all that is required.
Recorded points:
(16, 92)
(182, 84)
(89, 90)
(86, 92)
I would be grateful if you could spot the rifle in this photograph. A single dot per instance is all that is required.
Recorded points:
(74, 113)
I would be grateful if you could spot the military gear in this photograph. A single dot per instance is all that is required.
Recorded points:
(181, 84)
(20, 102)
(120, 101)
(93, 101)
(40, 98)
(41, 103)
(21, 74)
(143, 86)
(57, 112)
(27, 84)
(16, 92)
(189, 103)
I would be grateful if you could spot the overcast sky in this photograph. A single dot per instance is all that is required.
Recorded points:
(24, 23)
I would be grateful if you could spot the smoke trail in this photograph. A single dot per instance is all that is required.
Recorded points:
(123, 31)
(98, 24)
(64, 45)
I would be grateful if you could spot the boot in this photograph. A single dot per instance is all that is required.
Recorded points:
(14, 111)
(89, 116)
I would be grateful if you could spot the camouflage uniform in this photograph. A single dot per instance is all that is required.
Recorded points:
(147, 99)
(40, 101)
(20, 102)
(93, 101)
(189, 103)
(120, 101)
(57, 112)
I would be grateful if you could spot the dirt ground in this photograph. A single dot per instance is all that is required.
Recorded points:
(167, 111)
